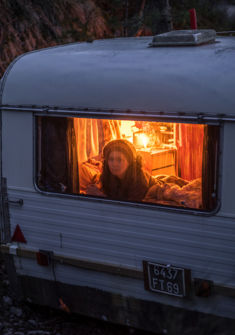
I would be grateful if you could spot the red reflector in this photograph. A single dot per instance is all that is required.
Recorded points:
(18, 236)
(43, 258)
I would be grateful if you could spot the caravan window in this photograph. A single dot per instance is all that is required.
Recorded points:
(169, 164)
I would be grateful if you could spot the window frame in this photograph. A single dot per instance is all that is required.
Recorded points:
(135, 116)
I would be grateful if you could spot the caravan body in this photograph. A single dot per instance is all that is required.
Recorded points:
(150, 263)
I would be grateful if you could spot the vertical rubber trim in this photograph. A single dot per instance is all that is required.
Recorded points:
(5, 234)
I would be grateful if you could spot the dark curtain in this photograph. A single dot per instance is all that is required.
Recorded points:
(72, 159)
(58, 161)
(210, 167)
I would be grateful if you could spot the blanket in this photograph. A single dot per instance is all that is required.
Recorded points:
(176, 191)
(168, 190)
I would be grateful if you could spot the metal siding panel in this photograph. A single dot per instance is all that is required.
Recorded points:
(127, 235)
(17, 149)
(144, 77)
(218, 305)
(228, 181)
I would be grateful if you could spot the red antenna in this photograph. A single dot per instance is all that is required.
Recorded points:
(193, 18)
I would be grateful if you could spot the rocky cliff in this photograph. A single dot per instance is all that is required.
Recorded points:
(33, 24)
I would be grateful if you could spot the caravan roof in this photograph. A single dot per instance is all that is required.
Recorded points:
(126, 73)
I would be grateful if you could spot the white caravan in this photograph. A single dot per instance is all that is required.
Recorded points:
(152, 262)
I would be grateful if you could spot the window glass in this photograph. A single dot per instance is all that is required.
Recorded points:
(170, 164)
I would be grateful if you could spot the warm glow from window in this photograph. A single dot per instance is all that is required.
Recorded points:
(164, 163)
(144, 138)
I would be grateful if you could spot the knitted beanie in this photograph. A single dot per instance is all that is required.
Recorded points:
(124, 146)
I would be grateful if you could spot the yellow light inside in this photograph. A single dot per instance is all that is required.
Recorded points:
(142, 140)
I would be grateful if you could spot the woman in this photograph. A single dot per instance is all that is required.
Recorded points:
(122, 177)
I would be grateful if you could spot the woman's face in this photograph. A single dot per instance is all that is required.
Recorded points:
(118, 164)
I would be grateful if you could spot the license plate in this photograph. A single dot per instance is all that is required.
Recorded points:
(167, 279)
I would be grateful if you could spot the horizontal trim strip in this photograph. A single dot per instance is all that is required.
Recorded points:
(84, 264)
(99, 267)
(120, 114)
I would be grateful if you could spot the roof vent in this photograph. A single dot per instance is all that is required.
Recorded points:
(184, 38)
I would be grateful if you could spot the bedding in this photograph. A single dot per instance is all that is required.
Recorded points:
(176, 191)
(168, 190)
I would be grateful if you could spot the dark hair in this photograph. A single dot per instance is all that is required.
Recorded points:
(134, 185)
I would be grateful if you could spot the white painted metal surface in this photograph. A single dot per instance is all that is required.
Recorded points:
(122, 74)
(122, 235)
(126, 74)
(117, 234)
(17, 150)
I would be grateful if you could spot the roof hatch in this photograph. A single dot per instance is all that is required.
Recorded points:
(184, 38)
